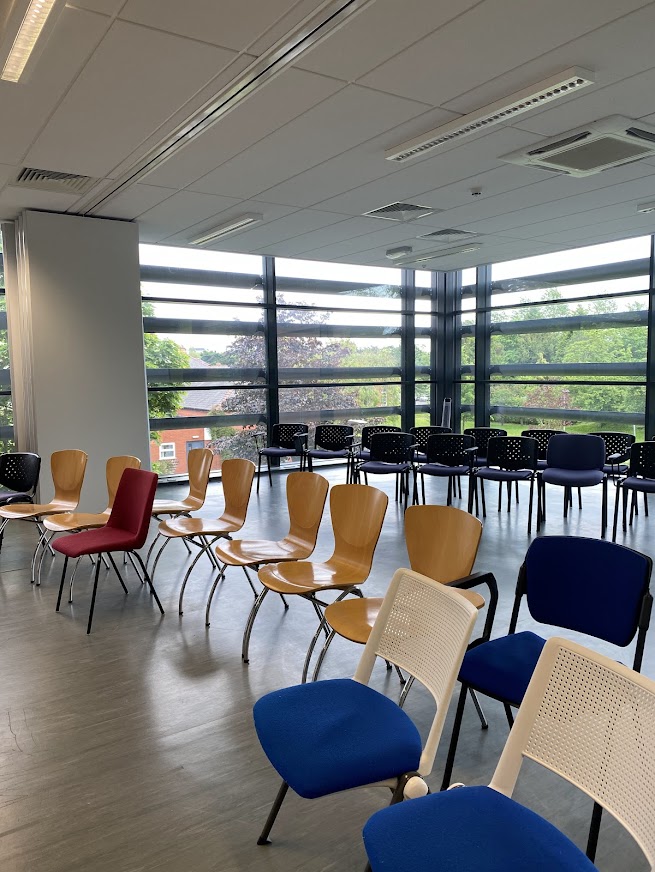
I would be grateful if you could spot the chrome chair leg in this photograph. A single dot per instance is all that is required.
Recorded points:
(249, 625)
(218, 578)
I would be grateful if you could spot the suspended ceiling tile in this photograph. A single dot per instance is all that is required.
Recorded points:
(379, 32)
(288, 227)
(337, 232)
(134, 201)
(494, 36)
(14, 200)
(231, 23)
(299, 12)
(275, 104)
(25, 108)
(133, 82)
(106, 7)
(271, 214)
(351, 116)
(178, 212)
(617, 228)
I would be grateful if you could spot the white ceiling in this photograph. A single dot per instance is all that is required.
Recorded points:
(306, 148)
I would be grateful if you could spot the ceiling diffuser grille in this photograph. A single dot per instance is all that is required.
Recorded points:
(403, 212)
(450, 234)
(49, 180)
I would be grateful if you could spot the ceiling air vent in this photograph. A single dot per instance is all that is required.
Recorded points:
(49, 180)
(403, 212)
(598, 146)
(450, 234)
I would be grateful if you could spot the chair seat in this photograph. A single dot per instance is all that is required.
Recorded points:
(176, 507)
(615, 468)
(280, 452)
(305, 576)
(104, 540)
(328, 736)
(363, 454)
(420, 457)
(502, 668)
(76, 521)
(469, 829)
(325, 454)
(644, 485)
(19, 511)
(542, 464)
(7, 499)
(251, 552)
(572, 477)
(438, 469)
(491, 473)
(380, 467)
(178, 527)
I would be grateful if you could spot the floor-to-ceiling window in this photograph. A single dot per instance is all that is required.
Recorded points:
(6, 407)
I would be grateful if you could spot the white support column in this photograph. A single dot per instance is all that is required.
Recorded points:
(78, 370)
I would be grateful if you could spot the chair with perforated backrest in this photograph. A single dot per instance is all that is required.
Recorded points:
(509, 459)
(332, 442)
(574, 460)
(357, 513)
(368, 431)
(543, 438)
(19, 473)
(585, 717)
(585, 585)
(481, 436)
(450, 456)
(126, 530)
(237, 476)
(640, 478)
(442, 543)
(421, 436)
(617, 451)
(199, 464)
(391, 454)
(306, 495)
(287, 440)
(67, 468)
(330, 736)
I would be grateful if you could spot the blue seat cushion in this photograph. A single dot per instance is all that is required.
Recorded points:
(644, 485)
(438, 469)
(279, 452)
(615, 468)
(503, 667)
(468, 829)
(490, 473)
(379, 467)
(364, 454)
(572, 477)
(7, 498)
(542, 464)
(420, 457)
(327, 736)
(324, 453)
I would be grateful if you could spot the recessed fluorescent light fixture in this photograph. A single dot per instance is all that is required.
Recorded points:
(229, 227)
(422, 257)
(31, 29)
(646, 207)
(554, 88)
(397, 253)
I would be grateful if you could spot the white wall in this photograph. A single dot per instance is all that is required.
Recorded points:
(76, 304)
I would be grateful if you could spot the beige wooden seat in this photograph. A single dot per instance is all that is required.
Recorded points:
(357, 513)
(442, 543)
(306, 495)
(199, 462)
(68, 468)
(237, 476)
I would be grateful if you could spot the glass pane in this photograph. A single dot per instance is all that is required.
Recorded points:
(194, 258)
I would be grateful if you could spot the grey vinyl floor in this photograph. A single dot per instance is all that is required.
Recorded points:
(133, 749)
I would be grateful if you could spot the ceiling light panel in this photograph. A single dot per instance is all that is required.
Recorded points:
(30, 30)
(424, 256)
(227, 228)
(555, 88)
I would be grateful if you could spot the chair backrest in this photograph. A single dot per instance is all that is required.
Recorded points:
(642, 459)
(133, 504)
(306, 495)
(512, 452)
(442, 541)
(482, 435)
(115, 468)
(199, 464)
(576, 451)
(422, 434)
(357, 512)
(587, 585)
(393, 447)
(542, 437)
(333, 437)
(68, 468)
(370, 430)
(19, 471)
(282, 435)
(616, 443)
(449, 449)
(592, 721)
(423, 628)
(237, 475)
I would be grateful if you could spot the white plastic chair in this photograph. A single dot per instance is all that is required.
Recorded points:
(584, 716)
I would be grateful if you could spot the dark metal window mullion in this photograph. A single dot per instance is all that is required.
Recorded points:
(408, 352)
(482, 400)
(650, 355)
(270, 346)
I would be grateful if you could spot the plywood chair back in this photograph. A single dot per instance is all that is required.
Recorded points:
(442, 541)
(237, 475)
(199, 462)
(357, 512)
(68, 468)
(115, 468)
(306, 495)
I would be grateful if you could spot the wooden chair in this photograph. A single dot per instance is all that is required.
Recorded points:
(73, 522)
(199, 463)
(357, 513)
(237, 475)
(442, 543)
(306, 495)
(67, 468)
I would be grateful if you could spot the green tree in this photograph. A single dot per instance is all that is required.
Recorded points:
(163, 354)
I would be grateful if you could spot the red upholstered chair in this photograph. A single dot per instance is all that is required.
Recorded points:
(126, 530)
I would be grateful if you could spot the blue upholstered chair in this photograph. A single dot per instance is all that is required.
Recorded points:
(287, 440)
(640, 478)
(328, 736)
(449, 455)
(509, 459)
(585, 717)
(332, 442)
(391, 453)
(574, 460)
(586, 585)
